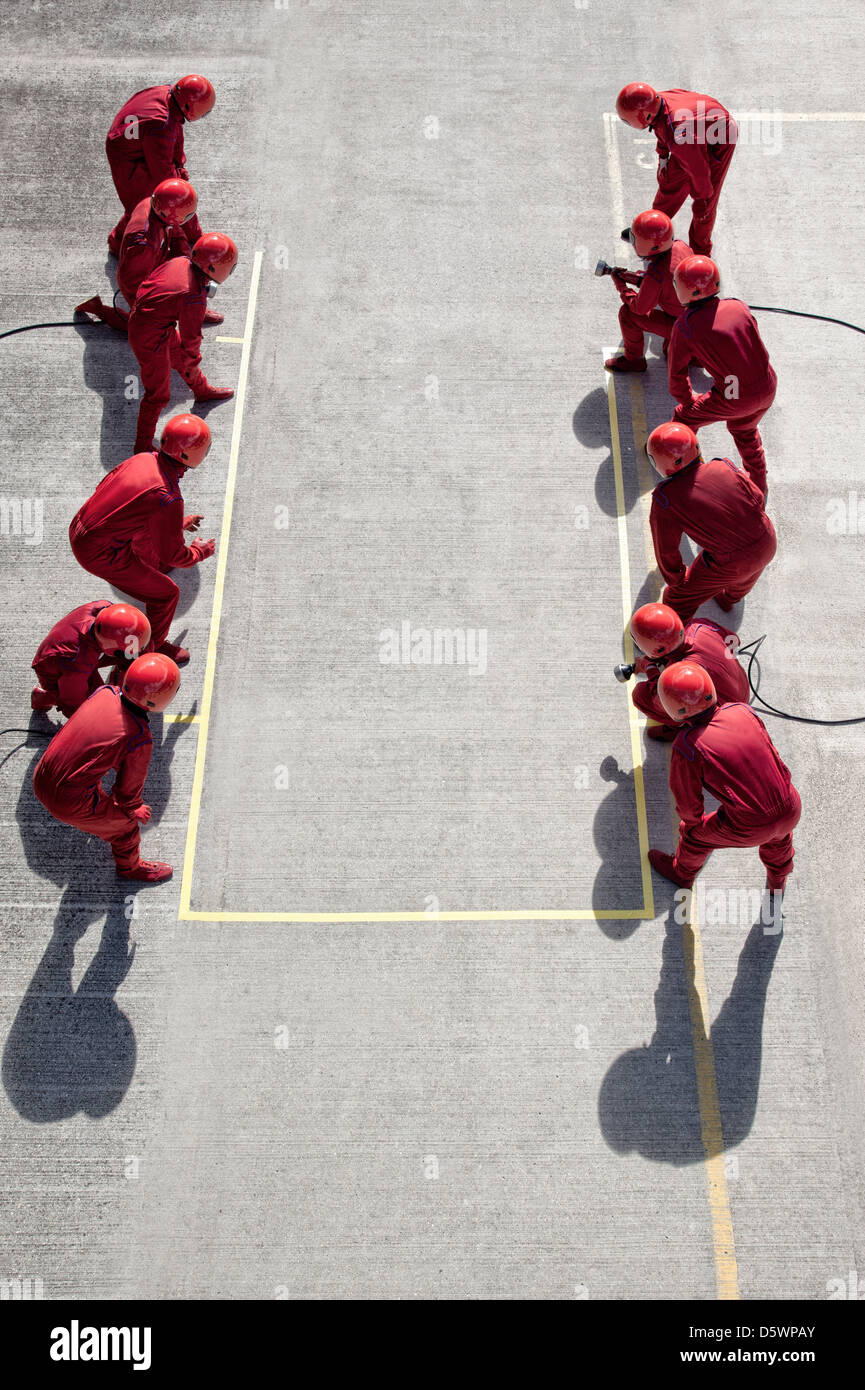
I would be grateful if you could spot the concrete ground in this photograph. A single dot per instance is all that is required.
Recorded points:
(200, 1100)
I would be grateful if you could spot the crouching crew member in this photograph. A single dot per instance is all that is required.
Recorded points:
(131, 530)
(724, 749)
(654, 306)
(93, 635)
(718, 506)
(658, 631)
(722, 336)
(110, 731)
(154, 233)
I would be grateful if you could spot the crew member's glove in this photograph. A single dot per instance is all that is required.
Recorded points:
(142, 814)
(204, 549)
(646, 666)
(193, 521)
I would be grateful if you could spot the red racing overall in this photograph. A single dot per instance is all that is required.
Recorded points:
(714, 648)
(730, 754)
(145, 146)
(106, 732)
(131, 529)
(696, 140)
(67, 661)
(723, 337)
(717, 505)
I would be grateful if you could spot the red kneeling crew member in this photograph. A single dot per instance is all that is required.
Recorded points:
(718, 506)
(131, 530)
(109, 731)
(728, 752)
(714, 648)
(93, 635)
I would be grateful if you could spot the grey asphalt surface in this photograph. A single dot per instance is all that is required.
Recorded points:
(426, 1108)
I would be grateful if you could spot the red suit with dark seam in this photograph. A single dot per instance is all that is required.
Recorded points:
(165, 332)
(106, 732)
(696, 139)
(722, 336)
(145, 146)
(67, 660)
(654, 307)
(131, 529)
(717, 506)
(730, 754)
(714, 648)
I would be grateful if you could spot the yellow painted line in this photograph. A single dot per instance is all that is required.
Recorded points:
(711, 1127)
(231, 340)
(181, 719)
(635, 721)
(219, 587)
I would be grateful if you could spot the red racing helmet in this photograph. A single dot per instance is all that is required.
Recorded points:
(174, 201)
(657, 629)
(186, 439)
(215, 254)
(697, 277)
(152, 681)
(194, 95)
(652, 232)
(685, 689)
(121, 630)
(672, 447)
(636, 104)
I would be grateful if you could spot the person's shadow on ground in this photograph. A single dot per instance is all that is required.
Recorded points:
(72, 1050)
(648, 1102)
(619, 880)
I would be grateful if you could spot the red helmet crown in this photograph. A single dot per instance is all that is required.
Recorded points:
(194, 95)
(685, 689)
(122, 630)
(652, 232)
(215, 254)
(174, 201)
(696, 277)
(657, 629)
(635, 104)
(672, 447)
(186, 439)
(152, 681)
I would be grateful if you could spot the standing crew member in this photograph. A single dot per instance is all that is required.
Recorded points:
(654, 306)
(145, 144)
(110, 730)
(719, 508)
(696, 139)
(722, 336)
(165, 328)
(131, 530)
(68, 660)
(658, 631)
(153, 234)
(724, 749)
